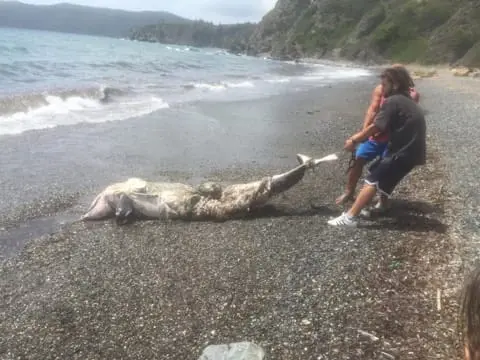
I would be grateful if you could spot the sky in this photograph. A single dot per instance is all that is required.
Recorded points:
(217, 11)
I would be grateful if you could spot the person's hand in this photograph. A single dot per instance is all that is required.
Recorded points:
(349, 145)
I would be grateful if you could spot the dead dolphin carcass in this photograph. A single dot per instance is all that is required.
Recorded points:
(138, 198)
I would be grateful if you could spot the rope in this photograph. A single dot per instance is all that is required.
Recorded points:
(351, 162)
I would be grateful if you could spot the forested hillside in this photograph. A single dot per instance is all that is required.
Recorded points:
(426, 31)
(197, 33)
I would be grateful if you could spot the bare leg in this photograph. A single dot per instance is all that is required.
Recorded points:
(353, 177)
(366, 195)
(348, 218)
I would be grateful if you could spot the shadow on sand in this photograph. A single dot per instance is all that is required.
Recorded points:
(274, 211)
(403, 215)
(409, 216)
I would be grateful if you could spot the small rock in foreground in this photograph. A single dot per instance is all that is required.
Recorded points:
(234, 351)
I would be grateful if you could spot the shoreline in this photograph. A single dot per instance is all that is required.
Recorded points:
(418, 71)
(62, 173)
(166, 290)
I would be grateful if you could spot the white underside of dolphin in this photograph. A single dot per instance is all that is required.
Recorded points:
(136, 197)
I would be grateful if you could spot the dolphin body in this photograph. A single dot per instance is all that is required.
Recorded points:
(138, 198)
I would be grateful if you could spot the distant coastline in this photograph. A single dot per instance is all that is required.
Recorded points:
(368, 36)
(78, 19)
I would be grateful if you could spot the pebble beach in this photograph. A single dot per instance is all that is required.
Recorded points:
(281, 278)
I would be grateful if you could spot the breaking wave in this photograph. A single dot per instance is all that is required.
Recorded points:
(28, 102)
(20, 113)
(219, 86)
(141, 77)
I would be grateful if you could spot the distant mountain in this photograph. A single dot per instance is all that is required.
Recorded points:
(197, 33)
(79, 19)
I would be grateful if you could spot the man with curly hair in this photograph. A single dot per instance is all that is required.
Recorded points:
(376, 144)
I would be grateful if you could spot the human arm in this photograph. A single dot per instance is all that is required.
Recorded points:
(381, 124)
(374, 106)
(361, 136)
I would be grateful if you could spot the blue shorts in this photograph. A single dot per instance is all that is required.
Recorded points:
(370, 149)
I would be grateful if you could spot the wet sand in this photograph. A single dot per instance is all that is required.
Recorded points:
(281, 278)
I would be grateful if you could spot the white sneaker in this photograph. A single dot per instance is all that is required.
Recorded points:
(343, 220)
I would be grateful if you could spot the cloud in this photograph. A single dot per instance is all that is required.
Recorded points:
(238, 10)
(267, 5)
(235, 10)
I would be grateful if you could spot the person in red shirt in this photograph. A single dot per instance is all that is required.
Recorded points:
(376, 145)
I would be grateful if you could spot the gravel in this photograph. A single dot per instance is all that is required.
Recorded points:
(281, 278)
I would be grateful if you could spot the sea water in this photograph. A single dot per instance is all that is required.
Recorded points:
(49, 79)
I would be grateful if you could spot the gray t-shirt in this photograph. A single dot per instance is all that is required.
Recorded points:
(403, 120)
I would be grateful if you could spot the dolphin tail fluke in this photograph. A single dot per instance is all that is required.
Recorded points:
(310, 162)
(285, 181)
(303, 159)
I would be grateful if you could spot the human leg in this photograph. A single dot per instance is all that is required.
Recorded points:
(382, 203)
(365, 152)
(383, 178)
(363, 199)
(348, 219)
(354, 174)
